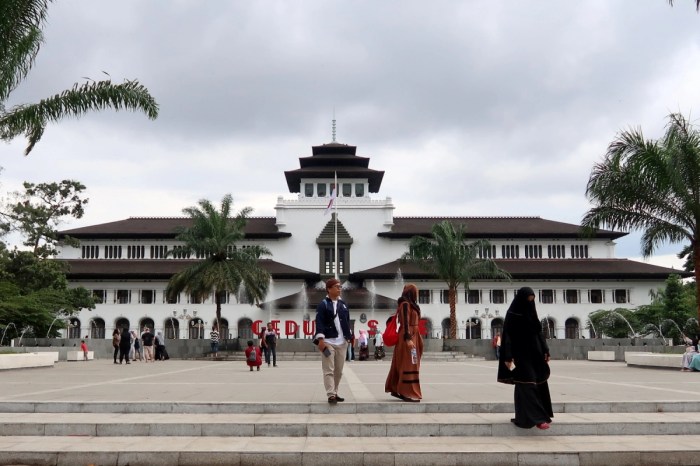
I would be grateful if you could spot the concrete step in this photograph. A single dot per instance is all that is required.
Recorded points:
(339, 425)
(347, 407)
(134, 450)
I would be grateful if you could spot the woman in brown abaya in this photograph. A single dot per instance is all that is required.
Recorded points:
(403, 381)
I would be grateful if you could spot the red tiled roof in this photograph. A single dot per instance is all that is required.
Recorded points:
(538, 269)
(166, 228)
(149, 269)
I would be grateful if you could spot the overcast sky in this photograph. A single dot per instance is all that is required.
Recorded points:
(472, 108)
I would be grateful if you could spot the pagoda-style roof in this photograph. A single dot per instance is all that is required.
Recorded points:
(493, 227)
(333, 159)
(166, 228)
(355, 298)
(538, 269)
(163, 269)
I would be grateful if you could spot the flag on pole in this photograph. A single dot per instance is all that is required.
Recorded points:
(334, 194)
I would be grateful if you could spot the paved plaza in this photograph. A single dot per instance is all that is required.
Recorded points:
(300, 382)
(214, 412)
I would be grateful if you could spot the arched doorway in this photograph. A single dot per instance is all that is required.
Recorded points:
(571, 329)
(427, 326)
(172, 329)
(548, 328)
(496, 326)
(147, 322)
(445, 325)
(122, 323)
(245, 329)
(97, 328)
(197, 329)
(223, 329)
(473, 330)
(74, 328)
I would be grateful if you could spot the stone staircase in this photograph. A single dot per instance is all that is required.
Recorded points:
(373, 433)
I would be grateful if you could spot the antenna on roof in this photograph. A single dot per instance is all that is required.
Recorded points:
(333, 124)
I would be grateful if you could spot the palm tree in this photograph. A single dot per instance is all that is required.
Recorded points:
(447, 256)
(20, 40)
(652, 186)
(214, 237)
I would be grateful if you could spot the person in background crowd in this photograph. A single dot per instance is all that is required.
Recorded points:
(253, 356)
(138, 353)
(124, 345)
(524, 362)
(147, 338)
(132, 348)
(271, 345)
(161, 352)
(496, 344)
(379, 352)
(116, 336)
(214, 336)
(363, 341)
(84, 349)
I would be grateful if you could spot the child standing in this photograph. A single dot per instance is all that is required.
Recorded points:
(84, 349)
(253, 356)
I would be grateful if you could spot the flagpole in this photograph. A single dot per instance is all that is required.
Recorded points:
(335, 229)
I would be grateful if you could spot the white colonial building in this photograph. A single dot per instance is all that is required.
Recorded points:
(125, 264)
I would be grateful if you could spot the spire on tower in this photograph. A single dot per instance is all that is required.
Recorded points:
(333, 125)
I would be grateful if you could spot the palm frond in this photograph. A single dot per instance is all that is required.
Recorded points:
(31, 119)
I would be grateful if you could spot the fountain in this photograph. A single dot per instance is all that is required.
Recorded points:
(5, 331)
(91, 325)
(658, 330)
(269, 297)
(673, 322)
(617, 314)
(372, 289)
(595, 332)
(302, 304)
(680, 332)
(22, 335)
(52, 322)
(398, 281)
(175, 329)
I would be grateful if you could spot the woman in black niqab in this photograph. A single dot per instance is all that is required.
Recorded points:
(524, 362)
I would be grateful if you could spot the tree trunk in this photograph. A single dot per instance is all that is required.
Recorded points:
(453, 312)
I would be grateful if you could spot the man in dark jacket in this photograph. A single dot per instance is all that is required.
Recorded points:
(332, 336)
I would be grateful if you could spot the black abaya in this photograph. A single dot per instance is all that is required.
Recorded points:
(522, 343)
